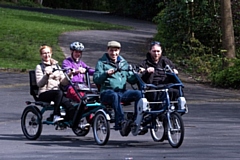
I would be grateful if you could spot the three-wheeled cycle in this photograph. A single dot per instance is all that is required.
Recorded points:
(164, 124)
(32, 116)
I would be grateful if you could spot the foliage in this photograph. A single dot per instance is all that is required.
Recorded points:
(189, 32)
(140, 9)
(28, 3)
(236, 22)
(228, 77)
(191, 35)
(22, 32)
(179, 23)
(78, 4)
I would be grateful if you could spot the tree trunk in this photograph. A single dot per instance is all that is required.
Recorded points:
(228, 41)
(15, 1)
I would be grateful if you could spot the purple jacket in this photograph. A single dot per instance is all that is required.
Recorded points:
(77, 78)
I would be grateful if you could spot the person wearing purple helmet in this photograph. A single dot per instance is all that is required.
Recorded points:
(79, 69)
(77, 66)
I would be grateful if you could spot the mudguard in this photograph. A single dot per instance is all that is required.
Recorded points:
(104, 112)
(141, 107)
(35, 108)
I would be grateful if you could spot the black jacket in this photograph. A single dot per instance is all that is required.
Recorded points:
(159, 76)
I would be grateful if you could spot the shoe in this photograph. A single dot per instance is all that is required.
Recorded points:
(143, 130)
(85, 126)
(57, 118)
(126, 129)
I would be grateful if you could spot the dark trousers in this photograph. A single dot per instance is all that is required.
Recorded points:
(57, 97)
(115, 98)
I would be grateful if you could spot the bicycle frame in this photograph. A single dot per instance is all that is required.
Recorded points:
(83, 100)
(166, 118)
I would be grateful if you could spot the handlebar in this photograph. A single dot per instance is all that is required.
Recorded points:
(62, 69)
(136, 69)
(143, 85)
(67, 69)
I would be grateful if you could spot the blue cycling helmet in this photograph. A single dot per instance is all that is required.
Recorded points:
(76, 46)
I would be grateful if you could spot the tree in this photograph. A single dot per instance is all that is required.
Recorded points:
(39, 2)
(228, 41)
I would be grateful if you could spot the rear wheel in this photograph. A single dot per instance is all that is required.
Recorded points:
(82, 128)
(175, 131)
(101, 128)
(157, 131)
(31, 122)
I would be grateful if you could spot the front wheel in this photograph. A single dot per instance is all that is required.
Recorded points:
(101, 128)
(31, 122)
(158, 130)
(175, 131)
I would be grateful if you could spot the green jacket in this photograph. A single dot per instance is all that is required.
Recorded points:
(118, 80)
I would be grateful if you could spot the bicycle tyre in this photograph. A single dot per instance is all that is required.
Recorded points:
(101, 128)
(79, 131)
(176, 133)
(157, 130)
(31, 122)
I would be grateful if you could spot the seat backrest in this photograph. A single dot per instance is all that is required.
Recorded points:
(33, 84)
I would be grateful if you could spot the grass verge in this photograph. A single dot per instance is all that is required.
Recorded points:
(22, 32)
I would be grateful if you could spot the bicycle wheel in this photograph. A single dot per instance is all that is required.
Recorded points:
(31, 122)
(101, 128)
(175, 130)
(82, 129)
(158, 130)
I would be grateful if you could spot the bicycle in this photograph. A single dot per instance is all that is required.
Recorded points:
(32, 116)
(165, 123)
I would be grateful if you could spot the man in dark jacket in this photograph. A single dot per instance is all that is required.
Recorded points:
(153, 73)
(112, 75)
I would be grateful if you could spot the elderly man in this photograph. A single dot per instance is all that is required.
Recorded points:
(112, 75)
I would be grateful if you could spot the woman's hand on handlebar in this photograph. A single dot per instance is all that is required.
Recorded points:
(79, 70)
(48, 71)
(82, 70)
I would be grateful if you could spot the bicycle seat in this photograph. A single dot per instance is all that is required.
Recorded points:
(33, 85)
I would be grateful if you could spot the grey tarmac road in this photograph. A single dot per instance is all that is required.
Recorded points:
(211, 126)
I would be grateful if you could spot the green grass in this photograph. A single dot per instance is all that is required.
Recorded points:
(22, 33)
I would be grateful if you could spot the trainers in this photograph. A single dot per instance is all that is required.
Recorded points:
(126, 129)
(143, 130)
(57, 118)
(86, 125)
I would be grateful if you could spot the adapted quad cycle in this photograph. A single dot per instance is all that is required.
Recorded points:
(164, 124)
(32, 116)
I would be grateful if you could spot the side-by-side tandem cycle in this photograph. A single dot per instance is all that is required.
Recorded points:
(164, 123)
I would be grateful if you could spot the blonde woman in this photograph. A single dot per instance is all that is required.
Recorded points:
(49, 83)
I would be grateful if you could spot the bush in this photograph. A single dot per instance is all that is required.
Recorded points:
(229, 77)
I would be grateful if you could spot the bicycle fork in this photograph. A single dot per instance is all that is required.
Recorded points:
(170, 124)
